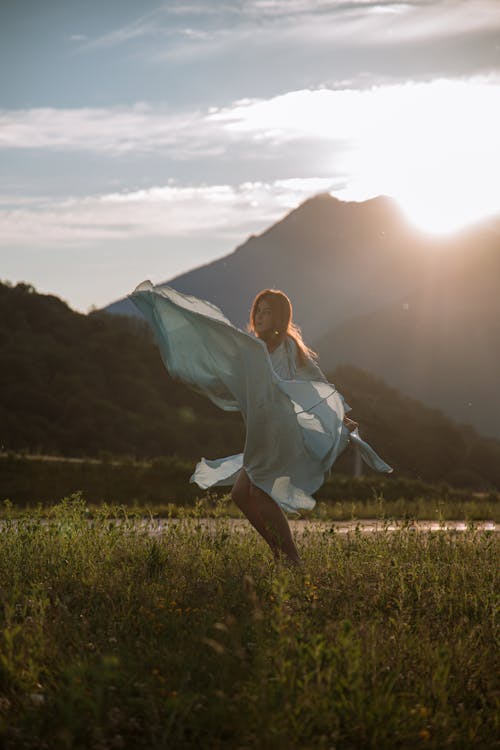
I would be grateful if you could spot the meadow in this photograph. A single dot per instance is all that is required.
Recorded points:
(112, 638)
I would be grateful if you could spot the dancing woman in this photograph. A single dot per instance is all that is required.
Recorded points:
(295, 419)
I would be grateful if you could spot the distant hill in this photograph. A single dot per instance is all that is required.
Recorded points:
(440, 343)
(81, 385)
(331, 257)
(368, 289)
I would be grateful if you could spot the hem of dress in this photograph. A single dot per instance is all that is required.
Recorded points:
(284, 506)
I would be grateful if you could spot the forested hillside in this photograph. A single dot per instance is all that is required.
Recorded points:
(78, 385)
(81, 385)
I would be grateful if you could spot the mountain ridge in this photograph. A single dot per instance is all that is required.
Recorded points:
(345, 262)
(264, 261)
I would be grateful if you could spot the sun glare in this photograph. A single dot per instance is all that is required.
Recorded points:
(434, 147)
(447, 210)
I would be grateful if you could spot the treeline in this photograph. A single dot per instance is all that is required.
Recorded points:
(32, 481)
(83, 385)
(93, 385)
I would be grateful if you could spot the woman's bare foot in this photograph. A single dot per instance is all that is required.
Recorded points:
(290, 562)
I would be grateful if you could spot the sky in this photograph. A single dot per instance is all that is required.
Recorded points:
(141, 139)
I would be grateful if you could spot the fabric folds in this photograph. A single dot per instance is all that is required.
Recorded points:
(293, 416)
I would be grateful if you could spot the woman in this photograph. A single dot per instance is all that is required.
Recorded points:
(294, 418)
(271, 321)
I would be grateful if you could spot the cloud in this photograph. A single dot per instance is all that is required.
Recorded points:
(223, 28)
(438, 20)
(146, 129)
(436, 110)
(433, 146)
(450, 115)
(146, 25)
(109, 130)
(231, 211)
(355, 45)
(340, 115)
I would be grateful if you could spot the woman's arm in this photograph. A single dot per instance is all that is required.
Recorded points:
(350, 424)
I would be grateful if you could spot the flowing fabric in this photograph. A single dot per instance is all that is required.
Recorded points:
(293, 415)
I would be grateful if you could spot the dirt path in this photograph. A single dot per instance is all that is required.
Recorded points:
(365, 526)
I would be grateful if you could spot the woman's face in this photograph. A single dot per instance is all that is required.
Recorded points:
(263, 320)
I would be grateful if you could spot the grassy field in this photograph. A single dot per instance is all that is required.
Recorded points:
(113, 639)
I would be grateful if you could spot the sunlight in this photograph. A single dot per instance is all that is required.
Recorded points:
(433, 146)
(447, 208)
(445, 158)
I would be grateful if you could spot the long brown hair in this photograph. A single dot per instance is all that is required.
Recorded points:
(283, 324)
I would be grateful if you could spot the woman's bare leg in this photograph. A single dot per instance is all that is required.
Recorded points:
(266, 517)
(240, 495)
(276, 523)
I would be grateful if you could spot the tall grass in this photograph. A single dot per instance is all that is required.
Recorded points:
(112, 638)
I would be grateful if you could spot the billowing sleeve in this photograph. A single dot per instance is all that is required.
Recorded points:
(201, 347)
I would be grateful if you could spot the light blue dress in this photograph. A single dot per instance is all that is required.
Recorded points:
(293, 415)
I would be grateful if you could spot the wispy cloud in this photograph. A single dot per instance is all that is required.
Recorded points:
(146, 129)
(185, 31)
(145, 25)
(433, 145)
(440, 19)
(350, 116)
(110, 130)
(231, 211)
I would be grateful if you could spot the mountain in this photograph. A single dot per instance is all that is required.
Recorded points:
(330, 256)
(81, 385)
(368, 289)
(440, 343)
